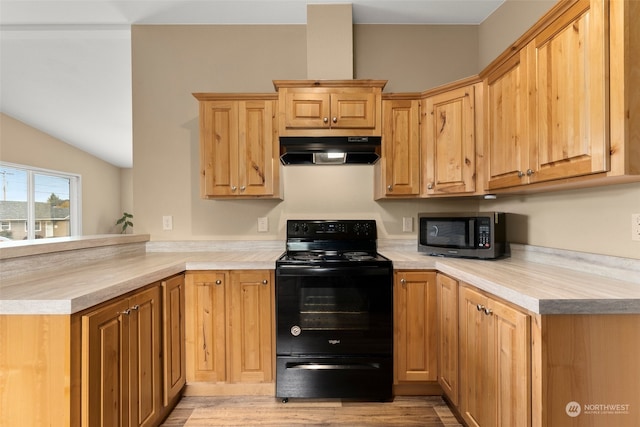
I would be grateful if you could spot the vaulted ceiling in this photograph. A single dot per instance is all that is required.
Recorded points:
(66, 64)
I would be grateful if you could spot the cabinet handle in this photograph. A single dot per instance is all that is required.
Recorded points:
(243, 188)
(480, 307)
(265, 281)
(335, 120)
(390, 187)
(520, 174)
(218, 282)
(403, 281)
(126, 312)
(135, 307)
(234, 188)
(529, 172)
(430, 186)
(326, 120)
(488, 311)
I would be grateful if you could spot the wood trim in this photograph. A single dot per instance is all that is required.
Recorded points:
(468, 81)
(206, 96)
(360, 83)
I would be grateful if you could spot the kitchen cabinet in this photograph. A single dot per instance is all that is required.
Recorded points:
(449, 142)
(121, 344)
(230, 328)
(447, 320)
(415, 330)
(239, 146)
(398, 171)
(329, 107)
(495, 361)
(173, 334)
(509, 141)
(560, 104)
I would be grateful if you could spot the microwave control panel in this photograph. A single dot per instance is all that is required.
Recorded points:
(484, 233)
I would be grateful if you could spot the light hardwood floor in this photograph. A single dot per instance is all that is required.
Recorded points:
(246, 411)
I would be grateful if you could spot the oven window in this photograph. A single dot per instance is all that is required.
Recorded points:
(333, 308)
(447, 233)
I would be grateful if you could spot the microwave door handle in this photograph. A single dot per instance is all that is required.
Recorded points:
(472, 233)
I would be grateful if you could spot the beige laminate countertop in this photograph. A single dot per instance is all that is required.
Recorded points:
(537, 287)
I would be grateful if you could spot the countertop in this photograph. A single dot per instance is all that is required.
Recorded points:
(539, 287)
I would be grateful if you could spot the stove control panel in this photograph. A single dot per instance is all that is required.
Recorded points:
(332, 229)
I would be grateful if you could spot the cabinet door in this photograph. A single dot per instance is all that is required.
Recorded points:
(250, 326)
(450, 143)
(571, 98)
(205, 326)
(256, 148)
(219, 148)
(306, 110)
(477, 384)
(105, 366)
(145, 352)
(173, 298)
(400, 163)
(447, 303)
(509, 346)
(415, 326)
(508, 137)
(353, 111)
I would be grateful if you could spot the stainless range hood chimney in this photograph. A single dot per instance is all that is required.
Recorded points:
(329, 41)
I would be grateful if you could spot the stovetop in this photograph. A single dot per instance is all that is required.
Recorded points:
(311, 242)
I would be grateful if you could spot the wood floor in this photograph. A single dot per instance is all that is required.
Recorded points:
(246, 411)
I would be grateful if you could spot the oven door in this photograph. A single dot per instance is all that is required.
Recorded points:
(346, 310)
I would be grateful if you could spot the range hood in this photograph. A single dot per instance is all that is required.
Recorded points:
(329, 150)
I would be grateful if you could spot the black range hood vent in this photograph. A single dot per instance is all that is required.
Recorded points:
(329, 150)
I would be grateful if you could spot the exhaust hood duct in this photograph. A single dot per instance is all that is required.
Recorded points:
(329, 150)
(330, 41)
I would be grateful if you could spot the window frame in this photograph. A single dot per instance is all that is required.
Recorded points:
(75, 197)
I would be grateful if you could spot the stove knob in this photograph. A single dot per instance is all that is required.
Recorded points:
(296, 330)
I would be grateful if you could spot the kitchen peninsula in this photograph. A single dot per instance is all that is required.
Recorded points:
(582, 321)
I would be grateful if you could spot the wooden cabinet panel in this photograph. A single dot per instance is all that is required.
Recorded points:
(449, 142)
(250, 326)
(121, 367)
(447, 312)
(238, 146)
(229, 326)
(173, 296)
(509, 144)
(415, 326)
(330, 107)
(570, 101)
(399, 167)
(205, 326)
(495, 362)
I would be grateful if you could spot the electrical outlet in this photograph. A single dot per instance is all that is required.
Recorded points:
(635, 226)
(167, 223)
(407, 224)
(263, 224)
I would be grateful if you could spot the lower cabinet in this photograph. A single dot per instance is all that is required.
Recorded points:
(415, 331)
(132, 370)
(230, 329)
(122, 369)
(495, 361)
(447, 312)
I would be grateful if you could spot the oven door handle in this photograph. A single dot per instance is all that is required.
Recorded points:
(286, 270)
(333, 366)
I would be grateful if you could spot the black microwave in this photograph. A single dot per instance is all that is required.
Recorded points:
(469, 235)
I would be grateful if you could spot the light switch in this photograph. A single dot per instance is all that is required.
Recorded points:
(167, 223)
(407, 224)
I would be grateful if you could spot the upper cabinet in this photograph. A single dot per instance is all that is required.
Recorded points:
(329, 107)
(398, 170)
(238, 146)
(560, 110)
(449, 142)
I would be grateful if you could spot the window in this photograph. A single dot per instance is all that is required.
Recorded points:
(44, 203)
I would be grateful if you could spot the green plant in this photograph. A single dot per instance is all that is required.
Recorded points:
(125, 222)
